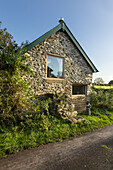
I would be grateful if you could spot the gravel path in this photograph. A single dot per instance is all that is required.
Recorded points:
(79, 153)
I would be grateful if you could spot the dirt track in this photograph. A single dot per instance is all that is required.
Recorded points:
(78, 153)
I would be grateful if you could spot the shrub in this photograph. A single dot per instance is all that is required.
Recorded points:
(14, 90)
(101, 98)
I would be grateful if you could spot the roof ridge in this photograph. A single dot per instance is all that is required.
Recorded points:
(64, 27)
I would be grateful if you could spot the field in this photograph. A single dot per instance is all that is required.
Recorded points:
(102, 87)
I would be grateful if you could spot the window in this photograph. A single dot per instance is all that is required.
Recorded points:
(54, 67)
(78, 89)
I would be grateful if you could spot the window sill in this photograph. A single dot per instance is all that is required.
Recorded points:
(54, 80)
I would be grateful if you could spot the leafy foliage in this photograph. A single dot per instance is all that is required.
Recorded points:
(101, 98)
(14, 90)
(37, 129)
(99, 80)
(111, 82)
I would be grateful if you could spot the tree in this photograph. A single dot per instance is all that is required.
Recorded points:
(99, 80)
(14, 89)
(111, 82)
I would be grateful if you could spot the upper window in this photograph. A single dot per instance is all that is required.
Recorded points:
(54, 67)
(78, 89)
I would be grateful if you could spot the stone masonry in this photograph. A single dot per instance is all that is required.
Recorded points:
(76, 69)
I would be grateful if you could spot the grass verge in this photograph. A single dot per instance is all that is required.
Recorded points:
(46, 128)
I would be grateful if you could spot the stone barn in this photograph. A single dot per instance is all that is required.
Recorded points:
(61, 65)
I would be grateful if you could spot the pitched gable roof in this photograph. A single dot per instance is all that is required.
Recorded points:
(62, 26)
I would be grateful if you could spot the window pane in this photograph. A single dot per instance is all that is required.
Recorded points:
(78, 89)
(54, 67)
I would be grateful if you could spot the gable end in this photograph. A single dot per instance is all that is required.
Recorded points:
(62, 26)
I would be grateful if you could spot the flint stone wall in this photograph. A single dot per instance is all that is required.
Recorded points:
(76, 69)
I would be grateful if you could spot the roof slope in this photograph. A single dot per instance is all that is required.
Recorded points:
(62, 26)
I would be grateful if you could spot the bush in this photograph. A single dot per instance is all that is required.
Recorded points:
(14, 90)
(101, 98)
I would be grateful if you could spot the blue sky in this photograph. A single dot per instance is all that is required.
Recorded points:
(90, 21)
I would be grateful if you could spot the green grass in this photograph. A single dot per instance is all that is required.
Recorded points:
(103, 87)
(46, 129)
